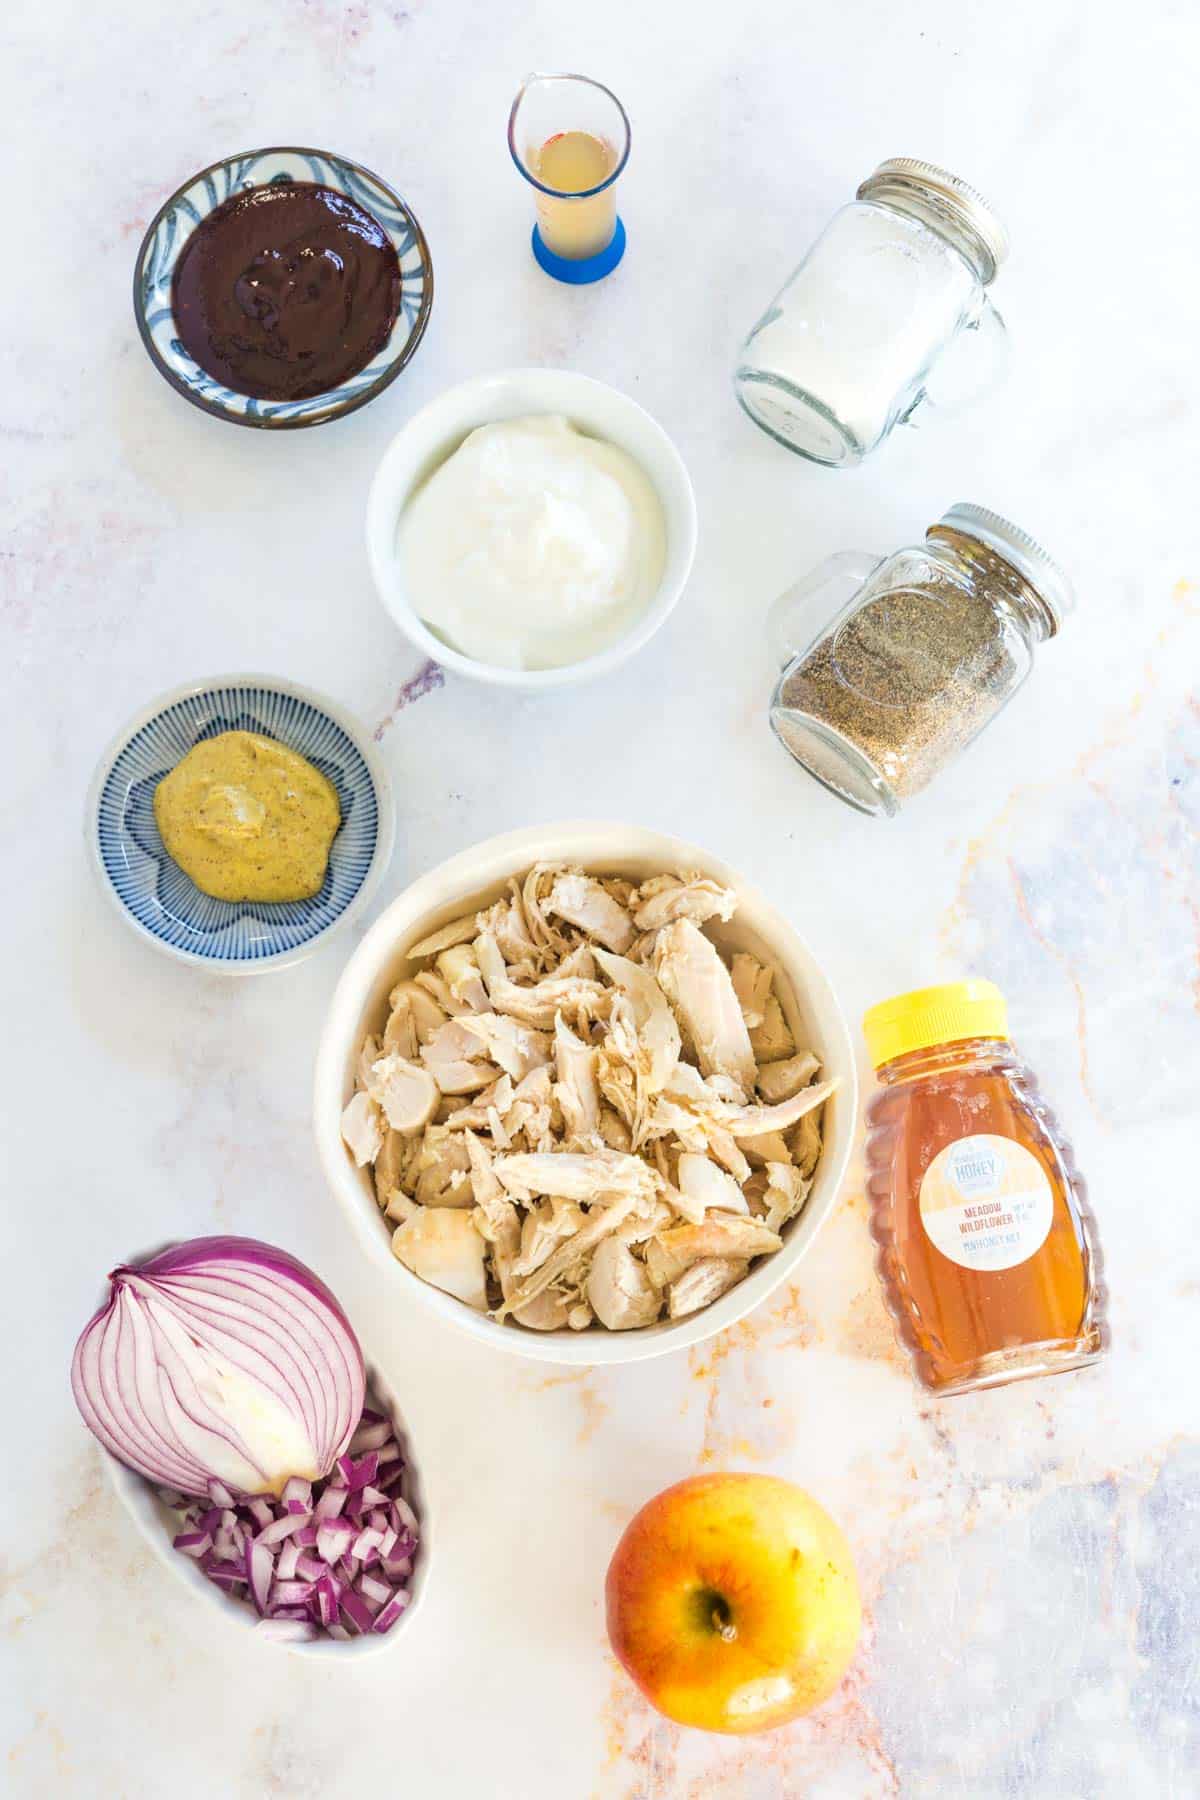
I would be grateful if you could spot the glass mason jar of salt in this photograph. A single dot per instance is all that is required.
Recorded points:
(888, 310)
(932, 642)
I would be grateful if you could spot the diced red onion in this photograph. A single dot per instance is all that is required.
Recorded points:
(287, 1563)
(327, 1601)
(223, 1573)
(193, 1543)
(288, 1525)
(260, 1567)
(356, 1612)
(361, 1473)
(387, 1615)
(372, 1434)
(334, 1538)
(289, 1593)
(215, 1365)
(337, 1568)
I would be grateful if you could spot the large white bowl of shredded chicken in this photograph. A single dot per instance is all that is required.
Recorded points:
(585, 1094)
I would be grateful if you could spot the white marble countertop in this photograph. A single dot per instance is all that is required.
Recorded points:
(1027, 1556)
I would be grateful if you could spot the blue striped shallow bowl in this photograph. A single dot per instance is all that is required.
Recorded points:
(154, 895)
(178, 218)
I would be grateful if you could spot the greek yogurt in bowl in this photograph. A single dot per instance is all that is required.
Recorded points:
(534, 545)
(531, 529)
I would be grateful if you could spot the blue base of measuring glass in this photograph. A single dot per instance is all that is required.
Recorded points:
(577, 271)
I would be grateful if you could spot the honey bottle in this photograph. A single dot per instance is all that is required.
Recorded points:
(986, 1248)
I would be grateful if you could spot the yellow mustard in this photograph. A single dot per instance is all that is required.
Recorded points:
(248, 819)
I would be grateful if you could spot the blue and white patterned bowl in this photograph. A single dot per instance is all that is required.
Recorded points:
(154, 895)
(179, 217)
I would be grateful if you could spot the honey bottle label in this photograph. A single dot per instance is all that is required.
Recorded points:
(986, 1202)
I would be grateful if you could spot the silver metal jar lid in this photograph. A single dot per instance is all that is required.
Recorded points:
(1025, 554)
(966, 203)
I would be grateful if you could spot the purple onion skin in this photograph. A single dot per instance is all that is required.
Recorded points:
(231, 1249)
(236, 1249)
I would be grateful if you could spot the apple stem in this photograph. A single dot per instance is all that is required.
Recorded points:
(724, 1628)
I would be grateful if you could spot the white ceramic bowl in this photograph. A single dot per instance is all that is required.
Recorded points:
(477, 877)
(158, 1525)
(435, 433)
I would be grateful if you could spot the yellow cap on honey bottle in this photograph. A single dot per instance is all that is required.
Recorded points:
(934, 1015)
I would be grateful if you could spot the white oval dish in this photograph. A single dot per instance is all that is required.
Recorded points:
(434, 433)
(478, 876)
(157, 1525)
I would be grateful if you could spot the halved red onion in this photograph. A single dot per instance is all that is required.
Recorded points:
(222, 1367)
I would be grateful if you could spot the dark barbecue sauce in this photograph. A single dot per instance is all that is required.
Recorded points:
(286, 291)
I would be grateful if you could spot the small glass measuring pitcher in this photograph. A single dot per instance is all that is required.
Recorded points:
(888, 310)
(569, 136)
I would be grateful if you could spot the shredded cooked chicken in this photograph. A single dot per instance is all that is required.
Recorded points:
(581, 1112)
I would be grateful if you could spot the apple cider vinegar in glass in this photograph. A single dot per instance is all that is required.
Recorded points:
(986, 1247)
(569, 137)
(574, 221)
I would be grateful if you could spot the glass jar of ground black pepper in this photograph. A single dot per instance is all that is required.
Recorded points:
(932, 642)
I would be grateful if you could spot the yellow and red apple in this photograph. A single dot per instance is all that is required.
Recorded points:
(732, 1602)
